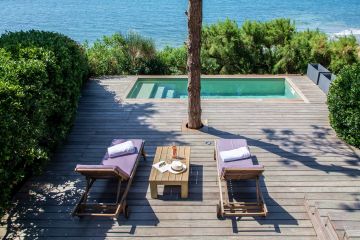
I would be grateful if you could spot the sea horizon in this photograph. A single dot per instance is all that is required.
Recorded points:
(164, 20)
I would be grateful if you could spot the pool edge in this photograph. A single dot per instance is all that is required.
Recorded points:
(302, 98)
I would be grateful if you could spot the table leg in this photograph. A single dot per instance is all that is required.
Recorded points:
(184, 190)
(153, 190)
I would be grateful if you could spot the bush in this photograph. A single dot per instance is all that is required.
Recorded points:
(222, 49)
(344, 104)
(173, 59)
(41, 74)
(118, 55)
(67, 69)
(262, 41)
(255, 47)
(108, 56)
(344, 51)
(304, 48)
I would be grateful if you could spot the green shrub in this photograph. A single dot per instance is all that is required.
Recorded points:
(344, 51)
(41, 75)
(66, 73)
(255, 47)
(173, 59)
(21, 123)
(344, 104)
(108, 56)
(262, 41)
(141, 52)
(118, 55)
(304, 48)
(222, 49)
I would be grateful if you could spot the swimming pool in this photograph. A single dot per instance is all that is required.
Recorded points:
(214, 88)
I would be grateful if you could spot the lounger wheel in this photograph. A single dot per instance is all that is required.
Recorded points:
(126, 211)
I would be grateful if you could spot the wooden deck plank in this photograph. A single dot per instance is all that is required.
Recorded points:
(294, 141)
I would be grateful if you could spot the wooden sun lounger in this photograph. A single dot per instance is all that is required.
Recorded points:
(123, 169)
(237, 170)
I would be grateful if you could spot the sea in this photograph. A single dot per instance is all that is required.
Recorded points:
(164, 20)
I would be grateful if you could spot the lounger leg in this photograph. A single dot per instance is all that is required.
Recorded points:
(221, 202)
(83, 199)
(260, 198)
(89, 183)
(118, 191)
(258, 191)
(184, 190)
(120, 205)
(153, 190)
(226, 195)
(143, 154)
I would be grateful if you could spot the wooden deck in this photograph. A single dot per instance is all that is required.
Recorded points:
(293, 140)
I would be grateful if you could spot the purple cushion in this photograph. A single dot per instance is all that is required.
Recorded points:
(229, 144)
(125, 163)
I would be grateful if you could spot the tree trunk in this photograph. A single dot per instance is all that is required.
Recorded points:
(193, 63)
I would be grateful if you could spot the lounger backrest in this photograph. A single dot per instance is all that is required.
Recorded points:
(242, 173)
(101, 171)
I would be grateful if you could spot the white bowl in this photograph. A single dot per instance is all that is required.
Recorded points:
(177, 165)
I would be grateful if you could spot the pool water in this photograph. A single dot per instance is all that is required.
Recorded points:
(214, 88)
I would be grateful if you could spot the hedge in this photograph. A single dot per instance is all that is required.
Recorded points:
(41, 75)
(344, 104)
(272, 47)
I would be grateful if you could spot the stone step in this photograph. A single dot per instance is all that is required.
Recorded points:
(159, 92)
(170, 93)
(146, 90)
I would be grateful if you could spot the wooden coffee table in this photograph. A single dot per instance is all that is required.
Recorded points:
(164, 153)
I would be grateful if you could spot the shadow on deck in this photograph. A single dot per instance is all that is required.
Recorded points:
(44, 204)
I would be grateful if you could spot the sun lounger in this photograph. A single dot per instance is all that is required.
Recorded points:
(122, 168)
(243, 169)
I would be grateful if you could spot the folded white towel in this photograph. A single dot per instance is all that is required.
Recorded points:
(235, 154)
(121, 149)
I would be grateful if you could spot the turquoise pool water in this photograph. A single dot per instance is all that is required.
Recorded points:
(214, 88)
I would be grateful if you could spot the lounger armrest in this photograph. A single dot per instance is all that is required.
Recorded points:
(85, 167)
(252, 168)
(243, 173)
(99, 171)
